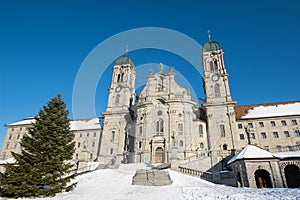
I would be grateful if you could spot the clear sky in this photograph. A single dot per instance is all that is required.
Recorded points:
(44, 43)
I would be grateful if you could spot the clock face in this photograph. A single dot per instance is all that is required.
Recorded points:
(118, 89)
(215, 77)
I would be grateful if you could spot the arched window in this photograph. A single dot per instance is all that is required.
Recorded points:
(200, 130)
(217, 89)
(118, 79)
(122, 77)
(215, 65)
(118, 98)
(211, 65)
(222, 130)
(160, 126)
(224, 146)
(201, 145)
(181, 143)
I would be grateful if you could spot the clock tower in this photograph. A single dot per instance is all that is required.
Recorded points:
(219, 106)
(118, 123)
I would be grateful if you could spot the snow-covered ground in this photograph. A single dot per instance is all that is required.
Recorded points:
(116, 184)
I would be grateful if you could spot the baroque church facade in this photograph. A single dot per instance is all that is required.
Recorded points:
(162, 124)
(165, 124)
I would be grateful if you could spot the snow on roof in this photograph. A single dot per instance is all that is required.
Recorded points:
(251, 152)
(84, 124)
(289, 154)
(11, 160)
(26, 121)
(268, 110)
(81, 124)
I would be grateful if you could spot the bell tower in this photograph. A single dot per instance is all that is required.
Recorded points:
(219, 106)
(118, 123)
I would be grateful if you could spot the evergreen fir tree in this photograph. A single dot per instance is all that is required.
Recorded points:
(42, 167)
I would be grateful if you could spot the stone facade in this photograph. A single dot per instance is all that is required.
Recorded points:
(162, 124)
(266, 170)
(87, 138)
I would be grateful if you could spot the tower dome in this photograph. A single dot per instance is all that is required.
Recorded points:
(124, 60)
(211, 46)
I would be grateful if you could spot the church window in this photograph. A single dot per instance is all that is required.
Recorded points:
(242, 136)
(297, 133)
(261, 124)
(113, 133)
(111, 151)
(287, 134)
(118, 98)
(252, 135)
(12, 129)
(273, 123)
(275, 134)
(222, 130)
(20, 128)
(16, 144)
(159, 112)
(250, 125)
(213, 66)
(200, 130)
(263, 135)
(240, 126)
(78, 145)
(91, 156)
(18, 136)
(283, 122)
(181, 143)
(279, 149)
(294, 122)
(225, 147)
(93, 144)
(88, 134)
(7, 145)
(267, 148)
(122, 77)
(180, 129)
(201, 145)
(141, 130)
(119, 77)
(160, 126)
(10, 136)
(217, 90)
(95, 134)
(80, 135)
(140, 144)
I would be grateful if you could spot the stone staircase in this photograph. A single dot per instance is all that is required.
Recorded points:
(151, 177)
(202, 164)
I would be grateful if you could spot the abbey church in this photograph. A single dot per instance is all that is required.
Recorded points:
(249, 146)
(164, 123)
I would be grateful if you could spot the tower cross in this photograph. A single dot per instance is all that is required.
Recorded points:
(208, 35)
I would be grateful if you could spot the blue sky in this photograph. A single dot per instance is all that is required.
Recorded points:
(43, 44)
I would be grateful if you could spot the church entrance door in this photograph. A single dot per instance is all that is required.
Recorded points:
(262, 178)
(159, 155)
(292, 176)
